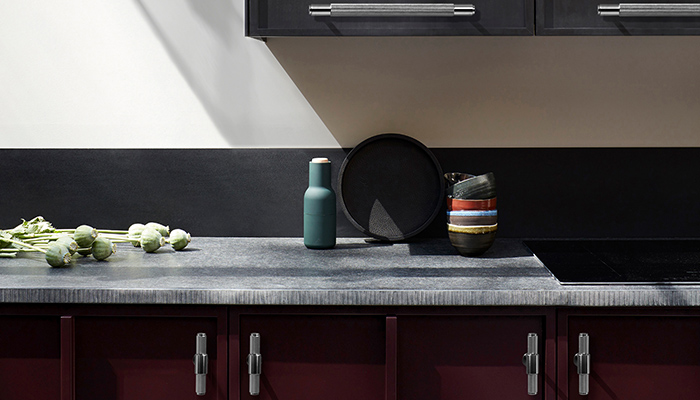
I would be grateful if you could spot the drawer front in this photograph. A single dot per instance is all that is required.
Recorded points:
(468, 357)
(581, 17)
(30, 357)
(291, 18)
(635, 357)
(125, 358)
(312, 357)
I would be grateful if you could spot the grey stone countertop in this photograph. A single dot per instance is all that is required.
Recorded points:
(282, 271)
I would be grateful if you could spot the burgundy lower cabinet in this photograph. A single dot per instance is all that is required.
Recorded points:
(468, 357)
(30, 357)
(371, 353)
(643, 354)
(310, 357)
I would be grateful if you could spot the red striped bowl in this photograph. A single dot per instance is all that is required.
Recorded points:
(462, 205)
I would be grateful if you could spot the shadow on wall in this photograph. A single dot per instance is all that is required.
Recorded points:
(245, 91)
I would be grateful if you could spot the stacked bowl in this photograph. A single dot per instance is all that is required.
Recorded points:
(471, 212)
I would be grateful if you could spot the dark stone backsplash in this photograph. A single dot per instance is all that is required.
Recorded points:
(542, 192)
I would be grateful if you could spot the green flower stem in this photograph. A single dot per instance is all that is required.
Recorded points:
(113, 240)
(33, 248)
(108, 231)
(119, 238)
(27, 245)
(35, 240)
(38, 240)
(35, 235)
(8, 255)
(17, 250)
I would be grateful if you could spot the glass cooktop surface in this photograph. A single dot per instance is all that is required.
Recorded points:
(620, 261)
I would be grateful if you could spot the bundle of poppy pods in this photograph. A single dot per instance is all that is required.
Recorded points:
(60, 245)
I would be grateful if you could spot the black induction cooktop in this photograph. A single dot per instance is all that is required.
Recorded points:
(620, 261)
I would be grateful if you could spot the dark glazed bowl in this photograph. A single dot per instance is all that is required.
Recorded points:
(467, 220)
(470, 186)
(455, 177)
(473, 240)
(470, 245)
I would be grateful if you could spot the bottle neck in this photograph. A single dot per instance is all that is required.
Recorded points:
(320, 174)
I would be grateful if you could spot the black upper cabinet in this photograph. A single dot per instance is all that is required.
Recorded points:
(266, 18)
(600, 17)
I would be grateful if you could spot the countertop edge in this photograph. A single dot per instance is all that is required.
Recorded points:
(592, 297)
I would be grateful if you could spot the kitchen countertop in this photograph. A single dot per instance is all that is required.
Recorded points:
(282, 271)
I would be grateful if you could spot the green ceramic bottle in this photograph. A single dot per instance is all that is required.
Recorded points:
(319, 206)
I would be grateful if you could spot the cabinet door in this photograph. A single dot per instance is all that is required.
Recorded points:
(315, 357)
(634, 357)
(292, 18)
(581, 17)
(466, 357)
(30, 351)
(119, 358)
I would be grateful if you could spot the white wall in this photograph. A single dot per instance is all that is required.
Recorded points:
(144, 74)
(180, 73)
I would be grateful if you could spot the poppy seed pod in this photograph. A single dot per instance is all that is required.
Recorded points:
(162, 229)
(68, 242)
(103, 248)
(151, 240)
(135, 230)
(57, 255)
(179, 239)
(135, 233)
(84, 235)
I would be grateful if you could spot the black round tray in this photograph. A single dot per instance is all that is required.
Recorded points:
(391, 187)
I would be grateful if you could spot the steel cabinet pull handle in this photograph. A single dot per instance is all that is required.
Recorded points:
(649, 10)
(582, 360)
(391, 10)
(254, 364)
(531, 360)
(201, 364)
